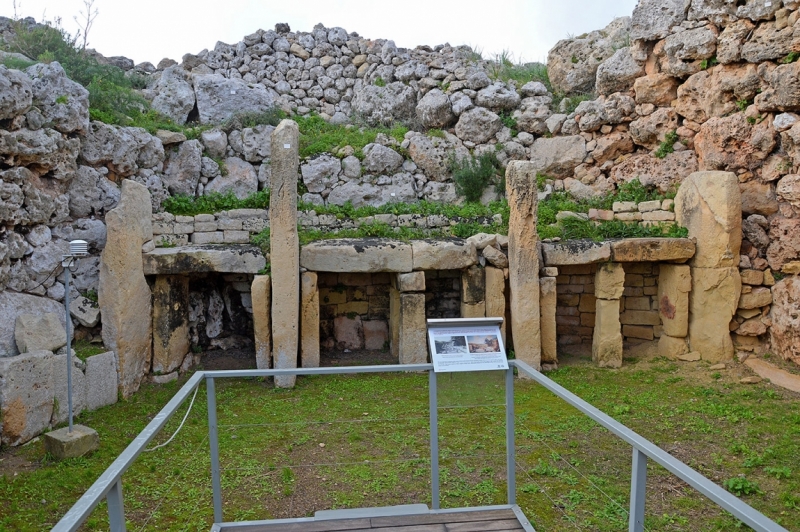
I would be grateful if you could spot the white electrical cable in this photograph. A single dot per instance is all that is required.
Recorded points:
(179, 426)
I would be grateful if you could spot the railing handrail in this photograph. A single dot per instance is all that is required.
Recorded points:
(76, 515)
(728, 502)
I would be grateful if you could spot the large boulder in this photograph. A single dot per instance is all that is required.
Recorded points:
(572, 63)
(16, 94)
(788, 189)
(175, 96)
(783, 93)
(558, 156)
(709, 205)
(321, 172)
(498, 97)
(651, 130)
(730, 41)
(241, 179)
(732, 143)
(62, 103)
(219, 98)
(358, 194)
(758, 198)
(39, 332)
(653, 19)
(183, 167)
(379, 159)
(26, 396)
(385, 105)
(683, 52)
(658, 89)
(124, 150)
(25, 199)
(618, 73)
(13, 305)
(90, 192)
(47, 149)
(768, 42)
(434, 110)
(478, 125)
(533, 114)
(784, 247)
(785, 331)
(123, 293)
(256, 143)
(716, 92)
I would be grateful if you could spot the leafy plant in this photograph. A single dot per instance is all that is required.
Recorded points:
(742, 104)
(509, 121)
(778, 472)
(791, 58)
(182, 205)
(380, 82)
(741, 486)
(708, 63)
(319, 136)
(667, 146)
(472, 175)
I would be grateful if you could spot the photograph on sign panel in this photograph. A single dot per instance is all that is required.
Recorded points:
(483, 344)
(449, 345)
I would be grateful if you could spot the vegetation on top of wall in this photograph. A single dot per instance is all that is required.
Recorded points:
(183, 205)
(472, 175)
(504, 68)
(319, 136)
(668, 145)
(577, 229)
(423, 208)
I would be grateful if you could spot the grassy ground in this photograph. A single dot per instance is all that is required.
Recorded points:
(352, 441)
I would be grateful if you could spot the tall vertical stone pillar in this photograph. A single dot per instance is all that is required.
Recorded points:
(548, 304)
(496, 296)
(407, 318)
(170, 322)
(285, 249)
(309, 321)
(260, 293)
(709, 205)
(123, 293)
(523, 261)
(473, 292)
(674, 285)
(609, 283)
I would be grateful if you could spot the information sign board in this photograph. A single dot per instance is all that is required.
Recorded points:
(466, 344)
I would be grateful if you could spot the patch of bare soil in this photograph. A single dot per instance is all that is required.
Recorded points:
(222, 359)
(360, 357)
(13, 461)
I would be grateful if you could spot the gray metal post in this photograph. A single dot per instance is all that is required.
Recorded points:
(638, 491)
(511, 461)
(214, 444)
(434, 413)
(116, 507)
(67, 274)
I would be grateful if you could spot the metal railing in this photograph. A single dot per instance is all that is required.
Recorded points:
(109, 485)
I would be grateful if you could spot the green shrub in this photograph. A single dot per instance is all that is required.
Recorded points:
(741, 486)
(318, 136)
(667, 147)
(509, 121)
(472, 175)
(182, 205)
(380, 82)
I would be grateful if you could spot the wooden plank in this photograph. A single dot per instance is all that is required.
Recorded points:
(480, 526)
(411, 528)
(308, 526)
(401, 520)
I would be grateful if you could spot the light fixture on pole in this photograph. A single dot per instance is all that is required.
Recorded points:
(77, 249)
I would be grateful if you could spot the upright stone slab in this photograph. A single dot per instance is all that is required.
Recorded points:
(547, 305)
(61, 402)
(674, 285)
(309, 321)
(607, 339)
(170, 322)
(609, 284)
(523, 258)
(260, 293)
(26, 396)
(712, 304)
(101, 380)
(412, 344)
(394, 321)
(496, 296)
(473, 292)
(709, 205)
(284, 249)
(123, 293)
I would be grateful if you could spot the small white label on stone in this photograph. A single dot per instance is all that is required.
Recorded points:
(287, 146)
(392, 194)
(233, 92)
(767, 4)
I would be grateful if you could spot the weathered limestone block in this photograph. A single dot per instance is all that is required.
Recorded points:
(13, 304)
(523, 258)
(101, 380)
(79, 389)
(85, 311)
(260, 295)
(547, 306)
(674, 285)
(170, 322)
(309, 321)
(63, 444)
(412, 346)
(652, 249)
(367, 255)
(123, 292)
(609, 281)
(449, 254)
(495, 296)
(26, 396)
(607, 338)
(575, 252)
(42, 332)
(473, 285)
(785, 330)
(758, 297)
(284, 247)
(671, 348)
(409, 282)
(473, 310)
(394, 322)
(198, 259)
(709, 205)
(712, 304)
